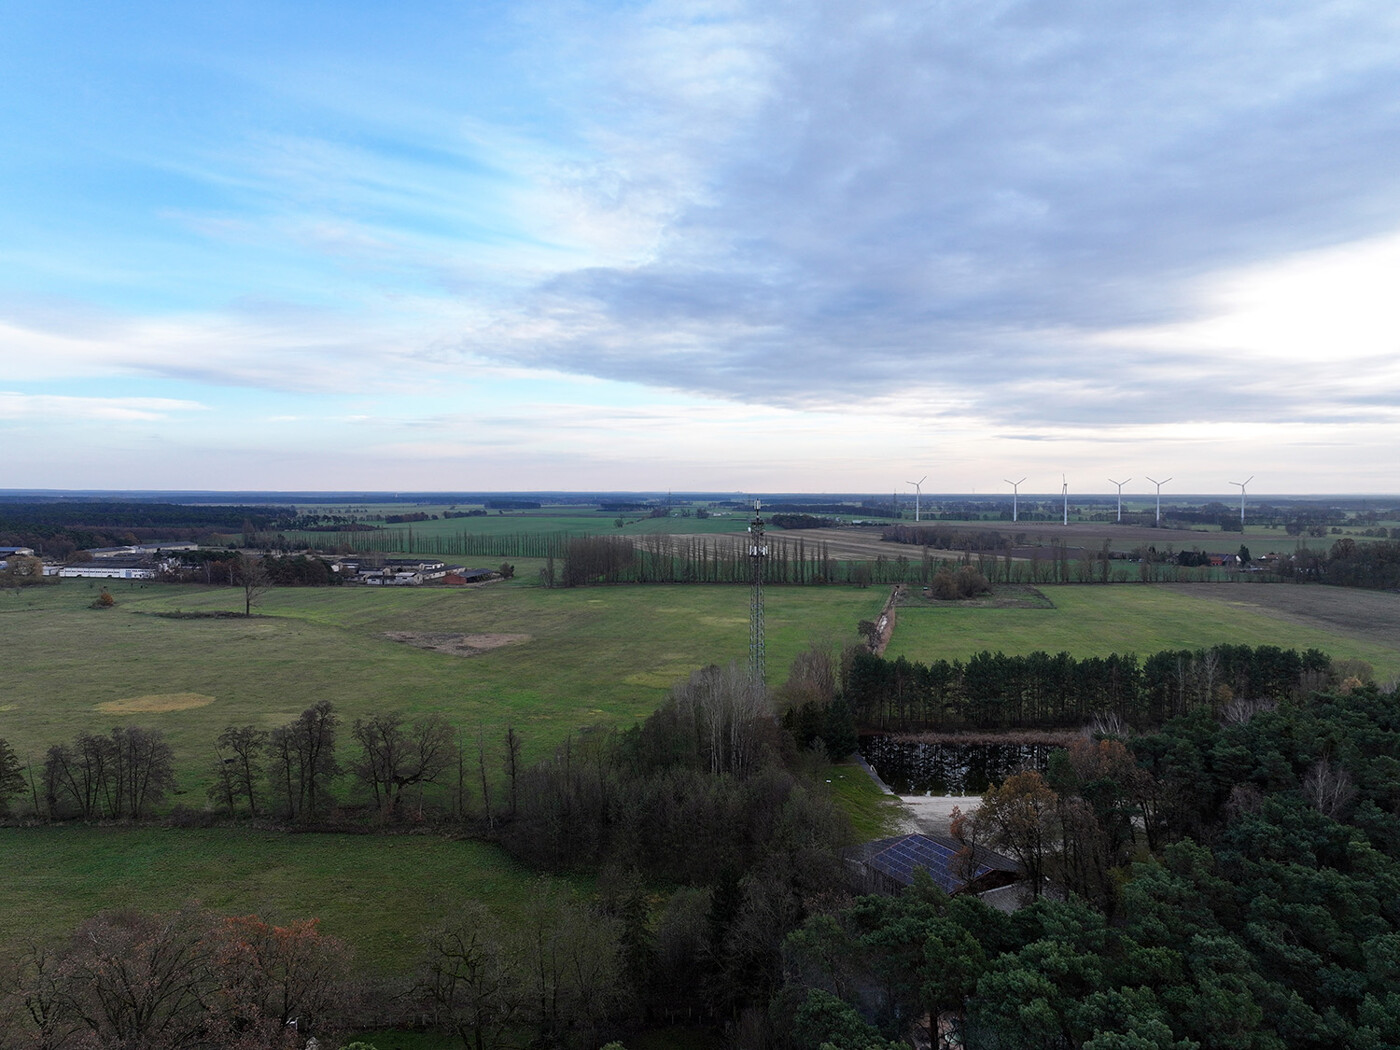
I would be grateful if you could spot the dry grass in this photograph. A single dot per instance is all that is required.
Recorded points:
(152, 702)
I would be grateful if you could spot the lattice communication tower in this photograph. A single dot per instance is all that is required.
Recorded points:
(758, 553)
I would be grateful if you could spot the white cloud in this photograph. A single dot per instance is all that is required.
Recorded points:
(49, 407)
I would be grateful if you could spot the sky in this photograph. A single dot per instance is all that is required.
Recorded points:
(702, 246)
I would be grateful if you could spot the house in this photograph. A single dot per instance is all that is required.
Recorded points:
(888, 865)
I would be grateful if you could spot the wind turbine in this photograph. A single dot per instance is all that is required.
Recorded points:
(1064, 491)
(1120, 485)
(1242, 484)
(1159, 485)
(1015, 491)
(917, 491)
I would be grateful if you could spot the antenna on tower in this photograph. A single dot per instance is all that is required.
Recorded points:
(1242, 484)
(917, 492)
(758, 552)
(1064, 491)
(1120, 485)
(1015, 492)
(1159, 485)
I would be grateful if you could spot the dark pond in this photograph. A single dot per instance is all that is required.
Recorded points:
(912, 768)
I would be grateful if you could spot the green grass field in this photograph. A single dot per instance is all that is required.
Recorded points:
(376, 893)
(594, 656)
(1096, 621)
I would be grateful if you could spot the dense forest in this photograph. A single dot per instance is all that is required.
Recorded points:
(58, 528)
(1038, 690)
(1266, 915)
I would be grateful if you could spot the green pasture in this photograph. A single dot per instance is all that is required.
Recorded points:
(377, 893)
(577, 658)
(1095, 621)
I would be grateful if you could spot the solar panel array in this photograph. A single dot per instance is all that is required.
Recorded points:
(900, 858)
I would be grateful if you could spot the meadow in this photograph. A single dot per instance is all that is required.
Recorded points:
(376, 893)
(573, 658)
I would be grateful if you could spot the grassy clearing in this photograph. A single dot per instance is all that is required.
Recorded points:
(1096, 621)
(873, 813)
(376, 893)
(594, 656)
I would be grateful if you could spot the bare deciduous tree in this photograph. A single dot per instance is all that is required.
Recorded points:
(11, 775)
(1328, 787)
(303, 760)
(253, 578)
(727, 708)
(512, 761)
(120, 775)
(239, 770)
(395, 755)
(471, 977)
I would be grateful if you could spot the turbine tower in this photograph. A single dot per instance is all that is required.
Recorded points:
(917, 491)
(1064, 491)
(1242, 484)
(1015, 492)
(758, 553)
(1159, 485)
(1120, 485)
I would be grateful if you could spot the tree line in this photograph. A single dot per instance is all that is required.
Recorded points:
(59, 529)
(1346, 563)
(193, 980)
(1038, 690)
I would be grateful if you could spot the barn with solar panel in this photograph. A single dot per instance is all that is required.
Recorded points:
(888, 865)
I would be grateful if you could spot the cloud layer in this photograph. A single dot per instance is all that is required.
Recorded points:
(1003, 220)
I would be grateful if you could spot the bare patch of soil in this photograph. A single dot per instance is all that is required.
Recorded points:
(155, 703)
(455, 644)
(933, 814)
(1372, 616)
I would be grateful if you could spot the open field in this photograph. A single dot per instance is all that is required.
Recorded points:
(1092, 620)
(571, 658)
(866, 542)
(377, 893)
(569, 521)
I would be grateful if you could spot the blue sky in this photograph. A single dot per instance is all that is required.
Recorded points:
(700, 246)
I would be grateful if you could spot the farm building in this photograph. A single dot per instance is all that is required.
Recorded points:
(458, 577)
(889, 865)
(111, 568)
